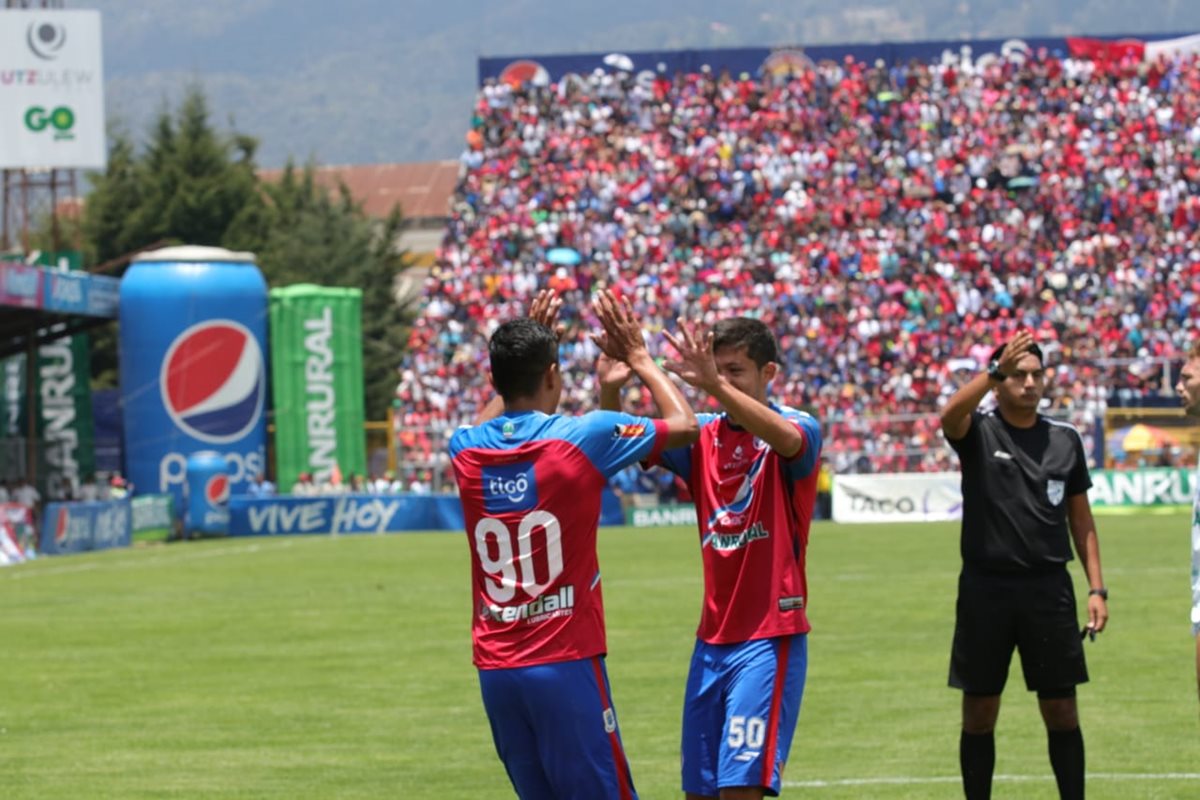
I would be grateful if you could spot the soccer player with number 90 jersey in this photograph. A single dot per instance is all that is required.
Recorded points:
(530, 483)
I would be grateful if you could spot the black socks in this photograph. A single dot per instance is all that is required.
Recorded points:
(977, 755)
(1066, 757)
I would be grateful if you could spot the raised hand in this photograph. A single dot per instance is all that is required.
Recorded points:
(1017, 347)
(544, 309)
(612, 373)
(695, 364)
(621, 339)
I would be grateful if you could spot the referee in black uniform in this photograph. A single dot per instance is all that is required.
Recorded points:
(1024, 484)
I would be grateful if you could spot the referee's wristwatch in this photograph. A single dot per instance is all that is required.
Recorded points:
(994, 373)
(1102, 593)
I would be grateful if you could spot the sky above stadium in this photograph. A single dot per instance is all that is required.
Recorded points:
(377, 81)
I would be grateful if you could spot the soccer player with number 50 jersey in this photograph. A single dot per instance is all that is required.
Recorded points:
(530, 482)
(753, 474)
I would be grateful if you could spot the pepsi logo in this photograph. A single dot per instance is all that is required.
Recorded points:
(213, 382)
(216, 490)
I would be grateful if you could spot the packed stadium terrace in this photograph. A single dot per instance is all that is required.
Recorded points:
(891, 223)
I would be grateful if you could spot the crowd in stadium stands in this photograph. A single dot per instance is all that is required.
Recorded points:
(892, 223)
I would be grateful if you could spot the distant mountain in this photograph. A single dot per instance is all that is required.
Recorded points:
(369, 81)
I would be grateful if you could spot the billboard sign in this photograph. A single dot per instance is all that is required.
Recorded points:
(317, 375)
(51, 90)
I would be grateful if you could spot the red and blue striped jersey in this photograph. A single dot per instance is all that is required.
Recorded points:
(753, 508)
(531, 486)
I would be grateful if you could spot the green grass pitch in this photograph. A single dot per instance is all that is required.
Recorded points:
(326, 667)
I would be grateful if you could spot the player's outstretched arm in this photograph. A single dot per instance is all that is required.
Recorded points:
(696, 366)
(956, 416)
(622, 340)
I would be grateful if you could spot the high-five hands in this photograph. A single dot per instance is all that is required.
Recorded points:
(695, 363)
(544, 309)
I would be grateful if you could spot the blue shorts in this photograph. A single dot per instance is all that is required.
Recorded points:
(740, 712)
(555, 729)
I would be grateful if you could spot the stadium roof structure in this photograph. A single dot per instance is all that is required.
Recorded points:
(40, 303)
(423, 189)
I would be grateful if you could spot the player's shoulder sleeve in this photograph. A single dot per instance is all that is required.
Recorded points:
(613, 440)
(969, 443)
(1079, 480)
(679, 459)
(808, 460)
(460, 440)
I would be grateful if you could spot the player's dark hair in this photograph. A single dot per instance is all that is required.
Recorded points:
(749, 333)
(1033, 348)
(521, 351)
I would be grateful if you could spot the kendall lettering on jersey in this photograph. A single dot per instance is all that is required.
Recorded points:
(509, 487)
(736, 541)
(559, 604)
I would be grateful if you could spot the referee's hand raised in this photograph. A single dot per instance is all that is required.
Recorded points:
(1017, 346)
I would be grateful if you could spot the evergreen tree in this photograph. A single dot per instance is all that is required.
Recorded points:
(193, 185)
(386, 324)
(324, 237)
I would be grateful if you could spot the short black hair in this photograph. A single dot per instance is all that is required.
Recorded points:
(1033, 348)
(521, 351)
(749, 333)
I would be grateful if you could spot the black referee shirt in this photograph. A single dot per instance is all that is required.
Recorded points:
(1015, 482)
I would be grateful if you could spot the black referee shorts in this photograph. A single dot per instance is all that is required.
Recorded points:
(1033, 612)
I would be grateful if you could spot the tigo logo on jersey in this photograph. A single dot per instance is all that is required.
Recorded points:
(212, 381)
(216, 490)
(632, 431)
(509, 487)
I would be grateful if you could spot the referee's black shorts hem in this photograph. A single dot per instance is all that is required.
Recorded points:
(1032, 612)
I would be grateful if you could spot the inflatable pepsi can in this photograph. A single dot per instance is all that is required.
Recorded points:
(193, 367)
(207, 491)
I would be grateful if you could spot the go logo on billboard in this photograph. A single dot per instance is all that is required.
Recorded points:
(61, 119)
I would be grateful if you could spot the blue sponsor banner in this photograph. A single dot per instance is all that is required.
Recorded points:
(351, 513)
(66, 292)
(20, 286)
(761, 60)
(103, 296)
(361, 513)
(58, 290)
(79, 527)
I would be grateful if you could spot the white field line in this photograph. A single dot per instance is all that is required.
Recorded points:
(20, 572)
(914, 780)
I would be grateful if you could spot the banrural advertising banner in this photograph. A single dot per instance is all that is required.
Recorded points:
(64, 415)
(668, 516)
(1139, 488)
(12, 397)
(51, 90)
(317, 381)
(153, 516)
(64, 394)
